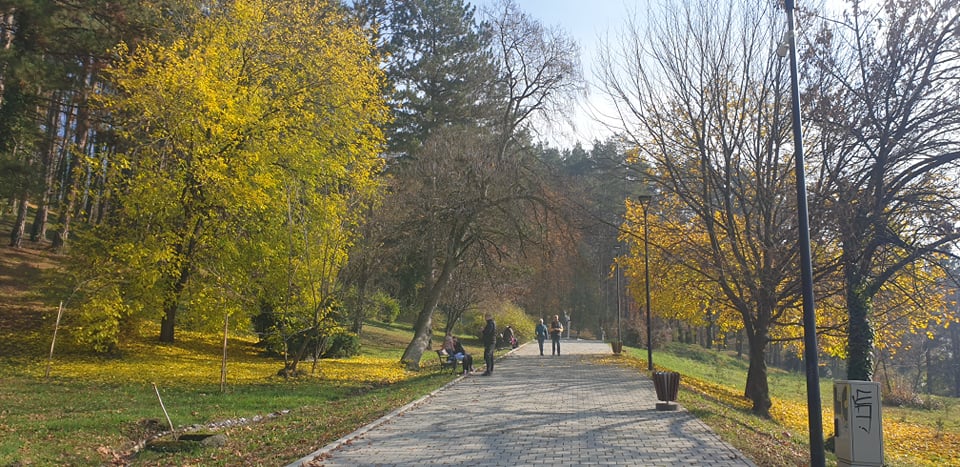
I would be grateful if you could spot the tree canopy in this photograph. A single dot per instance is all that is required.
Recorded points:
(250, 143)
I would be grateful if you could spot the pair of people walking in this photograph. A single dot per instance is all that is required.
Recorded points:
(489, 339)
(555, 331)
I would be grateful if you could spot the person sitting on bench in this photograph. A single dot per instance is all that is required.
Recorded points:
(455, 351)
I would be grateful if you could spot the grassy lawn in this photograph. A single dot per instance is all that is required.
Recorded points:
(98, 411)
(95, 411)
(712, 389)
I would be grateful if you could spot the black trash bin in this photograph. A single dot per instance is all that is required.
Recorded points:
(667, 384)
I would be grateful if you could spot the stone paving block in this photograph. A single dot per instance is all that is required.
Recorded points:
(549, 410)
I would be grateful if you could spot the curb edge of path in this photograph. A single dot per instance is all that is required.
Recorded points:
(303, 461)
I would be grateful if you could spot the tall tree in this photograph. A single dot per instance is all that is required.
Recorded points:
(250, 142)
(439, 65)
(703, 98)
(466, 183)
(49, 62)
(882, 85)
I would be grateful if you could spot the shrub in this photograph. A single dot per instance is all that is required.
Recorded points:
(388, 308)
(504, 314)
(342, 344)
(899, 393)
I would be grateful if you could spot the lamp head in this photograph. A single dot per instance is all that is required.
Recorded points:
(784, 46)
(783, 49)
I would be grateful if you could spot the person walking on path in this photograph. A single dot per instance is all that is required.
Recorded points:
(556, 330)
(541, 334)
(489, 339)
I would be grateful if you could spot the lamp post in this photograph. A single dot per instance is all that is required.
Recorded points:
(616, 263)
(644, 202)
(814, 411)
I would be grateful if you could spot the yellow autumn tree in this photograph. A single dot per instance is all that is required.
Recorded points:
(248, 147)
(679, 289)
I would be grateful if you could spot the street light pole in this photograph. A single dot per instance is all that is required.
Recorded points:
(814, 410)
(644, 201)
(617, 272)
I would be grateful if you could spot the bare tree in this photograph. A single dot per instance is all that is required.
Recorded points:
(462, 200)
(884, 91)
(468, 184)
(702, 95)
(539, 67)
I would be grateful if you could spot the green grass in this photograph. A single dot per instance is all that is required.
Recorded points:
(712, 389)
(99, 412)
(94, 411)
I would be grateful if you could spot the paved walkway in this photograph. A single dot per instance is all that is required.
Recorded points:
(536, 410)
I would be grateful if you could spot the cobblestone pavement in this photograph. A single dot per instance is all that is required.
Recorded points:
(533, 410)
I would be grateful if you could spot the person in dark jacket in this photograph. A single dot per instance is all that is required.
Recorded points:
(541, 334)
(556, 330)
(489, 339)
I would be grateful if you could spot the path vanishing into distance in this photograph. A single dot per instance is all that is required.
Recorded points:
(536, 410)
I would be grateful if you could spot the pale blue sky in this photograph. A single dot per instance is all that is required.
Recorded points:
(589, 22)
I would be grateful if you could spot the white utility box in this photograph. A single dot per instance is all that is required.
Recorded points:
(857, 423)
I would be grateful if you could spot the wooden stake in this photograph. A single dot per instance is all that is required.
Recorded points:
(53, 342)
(165, 414)
(223, 366)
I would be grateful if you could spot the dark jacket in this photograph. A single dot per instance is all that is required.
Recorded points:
(541, 331)
(556, 329)
(489, 336)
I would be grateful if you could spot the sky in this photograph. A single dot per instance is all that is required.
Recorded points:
(588, 22)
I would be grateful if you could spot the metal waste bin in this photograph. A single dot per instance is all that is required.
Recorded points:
(667, 384)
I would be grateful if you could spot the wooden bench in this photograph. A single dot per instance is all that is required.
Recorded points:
(446, 362)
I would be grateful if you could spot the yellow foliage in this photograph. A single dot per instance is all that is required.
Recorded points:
(195, 360)
(251, 150)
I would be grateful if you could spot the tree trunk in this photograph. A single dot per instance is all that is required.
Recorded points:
(860, 335)
(19, 226)
(48, 164)
(66, 213)
(711, 322)
(955, 340)
(168, 322)
(81, 139)
(423, 330)
(361, 312)
(757, 388)
(739, 344)
(38, 230)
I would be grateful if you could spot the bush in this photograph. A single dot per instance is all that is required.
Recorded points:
(901, 394)
(388, 308)
(504, 314)
(342, 344)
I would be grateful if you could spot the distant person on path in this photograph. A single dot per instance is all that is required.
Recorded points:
(556, 330)
(489, 339)
(508, 338)
(541, 334)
